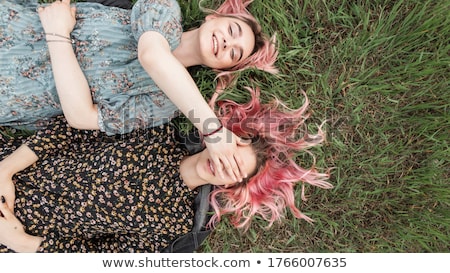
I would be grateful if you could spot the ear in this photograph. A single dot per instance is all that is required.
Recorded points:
(210, 16)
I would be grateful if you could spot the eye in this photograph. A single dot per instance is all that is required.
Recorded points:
(230, 30)
(232, 54)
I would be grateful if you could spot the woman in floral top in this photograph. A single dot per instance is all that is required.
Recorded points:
(101, 60)
(84, 191)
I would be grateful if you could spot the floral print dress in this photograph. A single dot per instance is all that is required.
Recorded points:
(90, 192)
(105, 43)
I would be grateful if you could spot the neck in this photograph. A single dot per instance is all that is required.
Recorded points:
(187, 51)
(188, 172)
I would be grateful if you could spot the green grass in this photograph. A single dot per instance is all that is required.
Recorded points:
(378, 71)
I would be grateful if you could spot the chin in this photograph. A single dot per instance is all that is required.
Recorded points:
(211, 64)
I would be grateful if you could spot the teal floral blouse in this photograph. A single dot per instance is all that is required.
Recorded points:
(106, 47)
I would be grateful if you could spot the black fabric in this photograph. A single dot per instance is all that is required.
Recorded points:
(125, 4)
(187, 243)
(191, 241)
(192, 141)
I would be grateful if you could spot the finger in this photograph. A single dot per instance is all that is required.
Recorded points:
(235, 168)
(240, 165)
(218, 167)
(4, 210)
(239, 169)
(231, 169)
(229, 185)
(10, 205)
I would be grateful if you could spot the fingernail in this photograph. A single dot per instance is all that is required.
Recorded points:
(3, 199)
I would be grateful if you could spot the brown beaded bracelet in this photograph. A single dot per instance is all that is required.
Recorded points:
(213, 132)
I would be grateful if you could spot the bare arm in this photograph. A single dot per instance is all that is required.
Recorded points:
(19, 160)
(58, 21)
(13, 234)
(15, 162)
(176, 82)
(73, 89)
(172, 77)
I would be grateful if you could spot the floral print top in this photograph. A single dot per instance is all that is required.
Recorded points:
(90, 192)
(106, 47)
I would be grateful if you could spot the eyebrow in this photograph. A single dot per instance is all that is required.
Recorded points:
(241, 51)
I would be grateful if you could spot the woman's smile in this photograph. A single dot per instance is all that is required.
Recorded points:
(215, 45)
(210, 167)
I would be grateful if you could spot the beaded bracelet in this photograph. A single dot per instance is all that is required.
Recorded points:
(213, 132)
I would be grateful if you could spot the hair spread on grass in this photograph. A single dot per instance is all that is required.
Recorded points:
(278, 134)
(264, 54)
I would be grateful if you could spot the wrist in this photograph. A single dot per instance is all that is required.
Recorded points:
(212, 131)
(56, 37)
(215, 131)
(5, 171)
(27, 243)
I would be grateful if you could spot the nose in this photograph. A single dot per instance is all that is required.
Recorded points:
(224, 43)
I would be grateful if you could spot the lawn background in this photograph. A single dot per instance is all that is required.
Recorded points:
(378, 72)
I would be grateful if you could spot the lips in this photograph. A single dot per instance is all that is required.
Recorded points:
(215, 45)
(211, 167)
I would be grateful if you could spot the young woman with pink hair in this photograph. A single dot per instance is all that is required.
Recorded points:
(117, 70)
(84, 191)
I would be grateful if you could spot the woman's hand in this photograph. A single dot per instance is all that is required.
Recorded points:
(58, 18)
(20, 159)
(12, 233)
(10, 226)
(7, 188)
(222, 147)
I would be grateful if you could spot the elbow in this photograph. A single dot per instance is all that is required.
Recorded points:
(145, 45)
(74, 123)
(81, 125)
(148, 60)
(84, 121)
(153, 50)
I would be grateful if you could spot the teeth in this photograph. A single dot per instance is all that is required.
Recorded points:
(215, 45)
(211, 167)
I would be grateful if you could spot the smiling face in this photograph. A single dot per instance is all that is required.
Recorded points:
(225, 41)
(206, 171)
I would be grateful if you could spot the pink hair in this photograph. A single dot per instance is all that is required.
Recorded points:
(265, 52)
(279, 135)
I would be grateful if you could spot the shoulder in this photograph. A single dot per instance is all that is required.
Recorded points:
(162, 16)
(161, 6)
